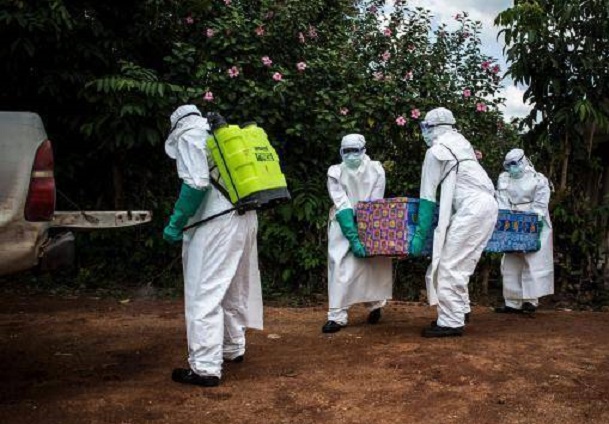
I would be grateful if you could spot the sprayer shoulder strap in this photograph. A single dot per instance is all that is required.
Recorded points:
(223, 191)
(203, 221)
(230, 177)
(217, 185)
(455, 166)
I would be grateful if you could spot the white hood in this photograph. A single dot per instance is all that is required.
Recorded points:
(183, 118)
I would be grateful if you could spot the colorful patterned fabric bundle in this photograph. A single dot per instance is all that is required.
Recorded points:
(386, 227)
(514, 232)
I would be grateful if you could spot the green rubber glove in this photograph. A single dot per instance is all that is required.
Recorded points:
(187, 204)
(426, 211)
(346, 220)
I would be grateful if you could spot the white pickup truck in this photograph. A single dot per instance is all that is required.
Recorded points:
(27, 201)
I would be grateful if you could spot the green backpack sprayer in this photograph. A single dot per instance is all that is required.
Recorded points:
(248, 165)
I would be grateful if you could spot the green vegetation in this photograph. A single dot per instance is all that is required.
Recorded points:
(106, 75)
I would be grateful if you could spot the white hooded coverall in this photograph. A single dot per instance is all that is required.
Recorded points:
(353, 280)
(527, 276)
(222, 291)
(468, 214)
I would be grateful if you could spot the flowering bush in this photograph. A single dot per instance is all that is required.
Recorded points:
(360, 78)
(308, 72)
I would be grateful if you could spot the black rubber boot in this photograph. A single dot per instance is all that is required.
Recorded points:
(528, 308)
(236, 360)
(374, 316)
(188, 376)
(437, 331)
(331, 327)
(507, 310)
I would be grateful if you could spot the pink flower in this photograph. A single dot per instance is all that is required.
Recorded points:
(378, 76)
(209, 96)
(344, 111)
(387, 32)
(189, 20)
(210, 32)
(233, 72)
(301, 66)
(467, 92)
(478, 154)
(408, 76)
(312, 32)
(415, 113)
(411, 47)
(400, 121)
(486, 64)
(267, 61)
(260, 31)
(496, 69)
(301, 37)
(386, 56)
(277, 76)
(227, 2)
(480, 107)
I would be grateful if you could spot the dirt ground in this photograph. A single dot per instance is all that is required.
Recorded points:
(88, 360)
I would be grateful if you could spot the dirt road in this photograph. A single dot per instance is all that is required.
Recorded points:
(85, 360)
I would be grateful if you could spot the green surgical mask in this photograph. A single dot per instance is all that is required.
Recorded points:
(516, 171)
(352, 160)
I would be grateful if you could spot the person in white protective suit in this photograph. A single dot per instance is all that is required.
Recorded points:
(351, 278)
(526, 276)
(467, 218)
(222, 291)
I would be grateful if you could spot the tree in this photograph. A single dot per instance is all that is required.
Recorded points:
(308, 72)
(559, 50)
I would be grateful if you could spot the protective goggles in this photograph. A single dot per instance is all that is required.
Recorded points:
(356, 150)
(425, 126)
(508, 165)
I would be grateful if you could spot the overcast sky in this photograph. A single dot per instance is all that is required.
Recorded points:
(484, 11)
